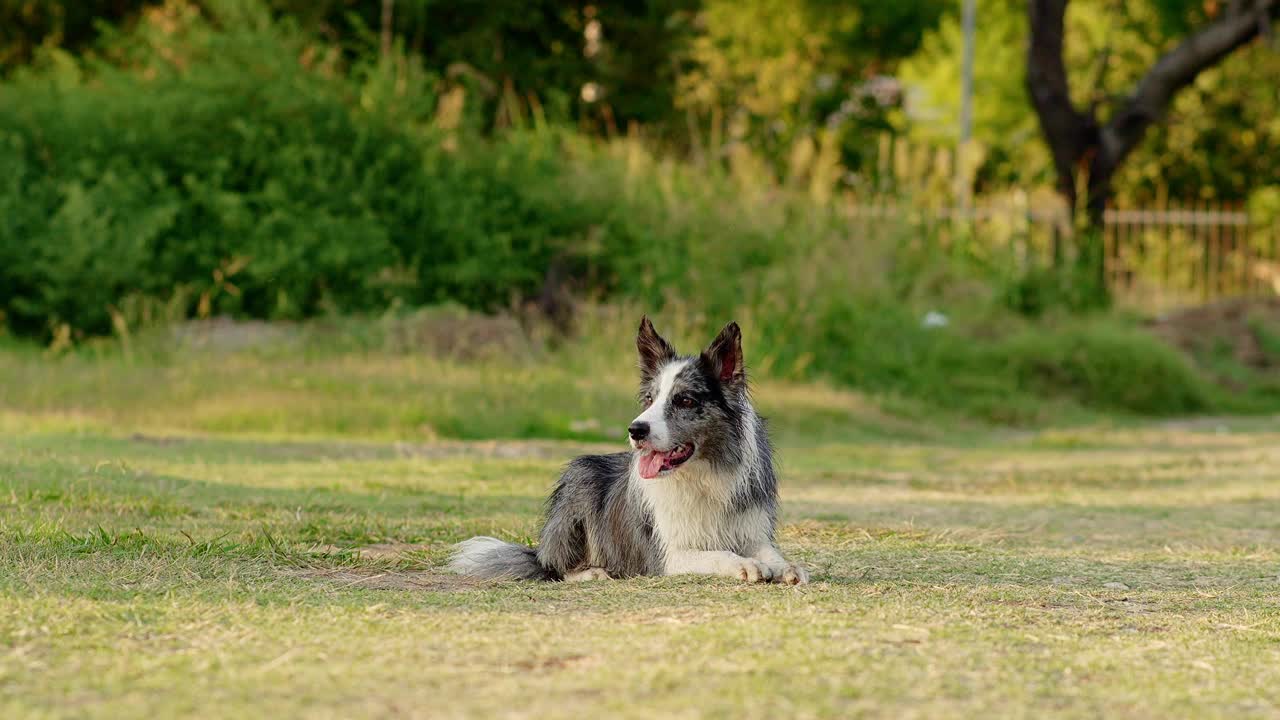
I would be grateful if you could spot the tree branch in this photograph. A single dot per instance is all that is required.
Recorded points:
(1178, 68)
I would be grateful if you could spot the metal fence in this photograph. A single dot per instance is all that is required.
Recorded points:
(1155, 258)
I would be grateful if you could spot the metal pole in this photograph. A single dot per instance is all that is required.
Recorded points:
(966, 98)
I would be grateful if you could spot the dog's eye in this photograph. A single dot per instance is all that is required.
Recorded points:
(685, 401)
(646, 400)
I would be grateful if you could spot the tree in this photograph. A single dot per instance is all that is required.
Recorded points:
(1080, 140)
(1219, 141)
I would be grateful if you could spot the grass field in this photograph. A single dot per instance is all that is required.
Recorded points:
(248, 536)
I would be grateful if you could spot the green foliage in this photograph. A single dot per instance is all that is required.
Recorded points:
(170, 178)
(1110, 46)
(328, 191)
(774, 75)
(1223, 138)
(1266, 333)
(1107, 366)
(26, 25)
(774, 72)
(989, 364)
(118, 189)
(229, 163)
(1005, 129)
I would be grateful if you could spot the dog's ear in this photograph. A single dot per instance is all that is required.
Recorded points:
(654, 351)
(724, 356)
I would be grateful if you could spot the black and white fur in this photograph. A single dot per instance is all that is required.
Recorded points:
(697, 493)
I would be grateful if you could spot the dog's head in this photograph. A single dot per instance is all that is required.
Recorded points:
(692, 405)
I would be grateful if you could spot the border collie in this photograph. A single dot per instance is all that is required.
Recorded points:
(696, 494)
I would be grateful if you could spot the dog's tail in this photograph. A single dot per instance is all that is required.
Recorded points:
(491, 559)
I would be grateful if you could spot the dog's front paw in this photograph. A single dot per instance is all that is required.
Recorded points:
(749, 569)
(794, 574)
(591, 573)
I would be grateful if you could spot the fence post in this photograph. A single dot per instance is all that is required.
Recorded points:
(1206, 251)
(1165, 233)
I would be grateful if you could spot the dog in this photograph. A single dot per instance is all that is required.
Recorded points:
(697, 493)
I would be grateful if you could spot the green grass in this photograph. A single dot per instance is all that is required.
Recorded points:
(412, 380)
(251, 534)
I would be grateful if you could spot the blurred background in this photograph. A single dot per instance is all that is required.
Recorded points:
(1012, 211)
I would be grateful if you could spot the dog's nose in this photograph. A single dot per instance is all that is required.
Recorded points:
(638, 430)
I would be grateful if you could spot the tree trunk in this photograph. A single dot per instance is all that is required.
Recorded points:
(1078, 140)
(1084, 147)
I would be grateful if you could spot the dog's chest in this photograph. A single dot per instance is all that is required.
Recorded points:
(692, 510)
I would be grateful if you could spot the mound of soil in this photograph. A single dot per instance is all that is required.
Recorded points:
(1246, 328)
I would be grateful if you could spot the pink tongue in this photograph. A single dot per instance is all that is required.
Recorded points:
(651, 464)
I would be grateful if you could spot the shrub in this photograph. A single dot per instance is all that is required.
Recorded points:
(1105, 365)
(239, 175)
(223, 169)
